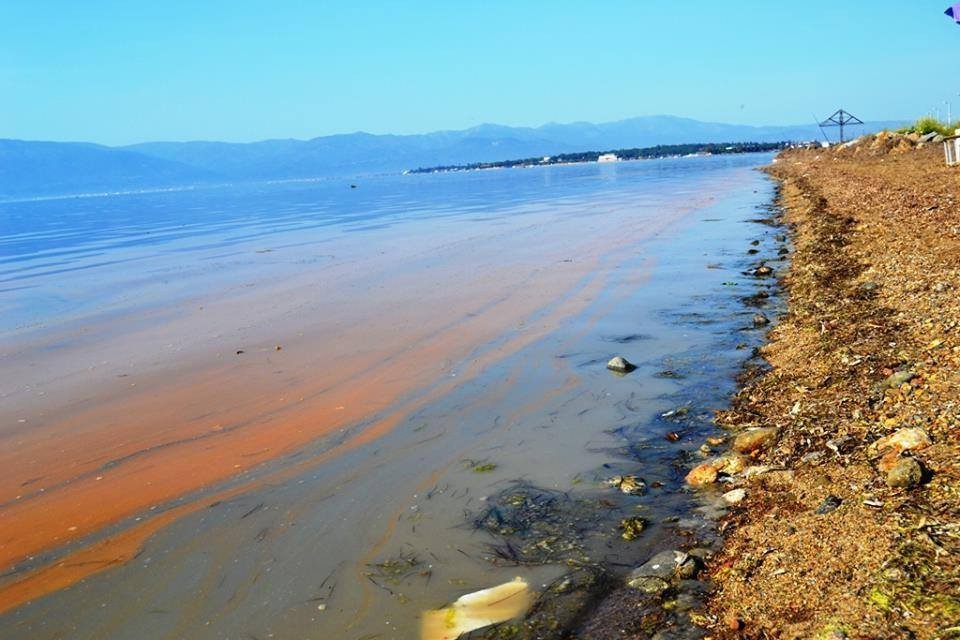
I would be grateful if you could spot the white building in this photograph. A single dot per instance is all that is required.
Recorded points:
(608, 157)
(951, 149)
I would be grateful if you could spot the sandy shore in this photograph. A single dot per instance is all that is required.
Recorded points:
(851, 524)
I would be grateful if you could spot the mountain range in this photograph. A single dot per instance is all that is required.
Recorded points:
(30, 168)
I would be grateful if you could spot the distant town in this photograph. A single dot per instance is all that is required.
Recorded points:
(617, 155)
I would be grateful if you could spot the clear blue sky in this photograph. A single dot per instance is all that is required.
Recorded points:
(128, 71)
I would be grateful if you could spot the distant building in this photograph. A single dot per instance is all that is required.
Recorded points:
(545, 160)
(608, 157)
(951, 148)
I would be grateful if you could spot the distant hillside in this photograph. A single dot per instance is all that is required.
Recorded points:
(33, 168)
(50, 168)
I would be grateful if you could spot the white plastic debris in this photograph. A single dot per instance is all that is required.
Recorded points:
(476, 610)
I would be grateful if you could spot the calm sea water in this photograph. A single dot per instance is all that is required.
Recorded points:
(74, 256)
(305, 556)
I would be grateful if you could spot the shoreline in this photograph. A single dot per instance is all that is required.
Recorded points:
(850, 525)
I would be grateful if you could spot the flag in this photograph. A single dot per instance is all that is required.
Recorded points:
(954, 12)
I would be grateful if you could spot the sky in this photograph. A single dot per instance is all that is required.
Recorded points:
(117, 72)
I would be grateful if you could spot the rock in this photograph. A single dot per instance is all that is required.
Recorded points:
(735, 496)
(707, 472)
(648, 584)
(830, 503)
(908, 439)
(760, 320)
(702, 554)
(888, 461)
(702, 474)
(755, 242)
(894, 381)
(630, 485)
(941, 287)
(730, 464)
(762, 271)
(632, 527)
(754, 439)
(905, 474)
(928, 137)
(716, 441)
(757, 470)
(752, 252)
(937, 139)
(620, 365)
(780, 237)
(783, 251)
(667, 565)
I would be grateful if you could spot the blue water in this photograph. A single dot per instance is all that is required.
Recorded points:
(75, 256)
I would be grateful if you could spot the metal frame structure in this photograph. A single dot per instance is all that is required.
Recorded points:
(841, 119)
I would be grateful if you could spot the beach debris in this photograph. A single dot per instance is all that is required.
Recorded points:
(679, 412)
(632, 527)
(753, 440)
(905, 474)
(477, 610)
(830, 503)
(478, 466)
(630, 485)
(535, 526)
(619, 364)
(669, 374)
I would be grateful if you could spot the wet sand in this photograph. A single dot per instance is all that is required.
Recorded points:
(229, 491)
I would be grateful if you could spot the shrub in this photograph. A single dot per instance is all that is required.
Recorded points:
(928, 124)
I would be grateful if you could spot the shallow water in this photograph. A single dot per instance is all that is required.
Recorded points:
(357, 544)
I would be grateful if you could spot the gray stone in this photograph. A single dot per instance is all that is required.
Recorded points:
(666, 565)
(760, 320)
(648, 584)
(620, 365)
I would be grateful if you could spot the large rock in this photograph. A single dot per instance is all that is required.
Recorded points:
(754, 439)
(909, 439)
(707, 472)
(703, 474)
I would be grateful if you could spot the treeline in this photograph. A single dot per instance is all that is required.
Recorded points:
(640, 153)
